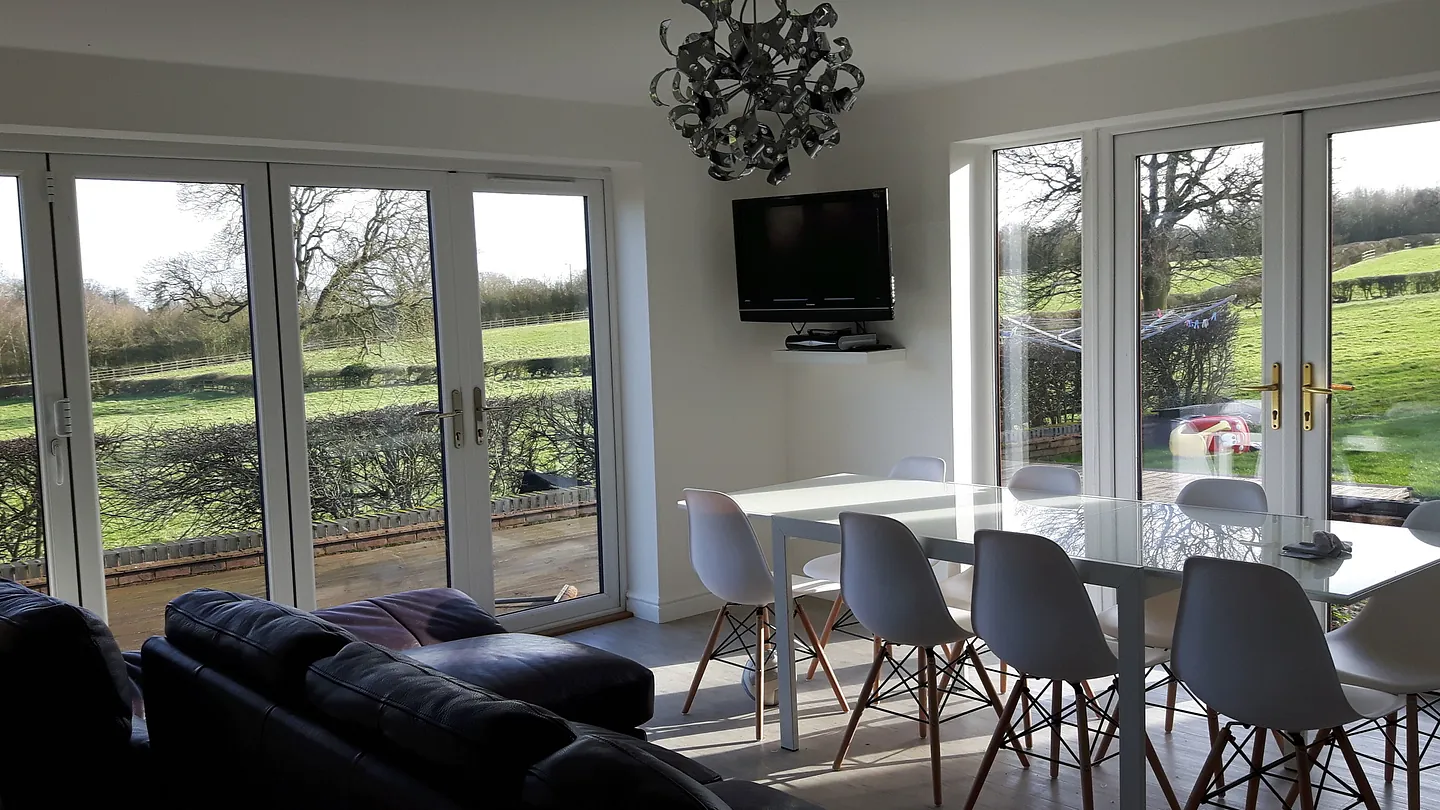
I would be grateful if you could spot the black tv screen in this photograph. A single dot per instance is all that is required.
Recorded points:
(815, 257)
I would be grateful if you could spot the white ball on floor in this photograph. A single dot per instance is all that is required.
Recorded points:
(772, 682)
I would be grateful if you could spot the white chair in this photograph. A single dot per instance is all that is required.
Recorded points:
(892, 589)
(1033, 610)
(827, 568)
(727, 557)
(1035, 480)
(1248, 645)
(1394, 646)
(1229, 495)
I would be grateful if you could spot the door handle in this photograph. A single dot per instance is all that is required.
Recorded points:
(1309, 390)
(1274, 389)
(456, 412)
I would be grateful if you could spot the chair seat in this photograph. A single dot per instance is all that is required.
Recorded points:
(826, 567)
(1160, 612)
(1357, 665)
(1154, 656)
(1371, 703)
(959, 589)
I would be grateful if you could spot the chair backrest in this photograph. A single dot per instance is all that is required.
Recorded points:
(724, 550)
(1248, 645)
(1425, 517)
(919, 468)
(1050, 479)
(1235, 494)
(1030, 606)
(889, 585)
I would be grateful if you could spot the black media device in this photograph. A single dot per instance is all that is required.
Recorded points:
(815, 257)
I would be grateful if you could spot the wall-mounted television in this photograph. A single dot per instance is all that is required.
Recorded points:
(815, 257)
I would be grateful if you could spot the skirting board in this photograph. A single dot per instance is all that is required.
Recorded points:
(674, 609)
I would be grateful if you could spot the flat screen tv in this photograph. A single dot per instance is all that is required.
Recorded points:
(815, 257)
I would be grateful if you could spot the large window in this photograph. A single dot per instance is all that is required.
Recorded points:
(1037, 255)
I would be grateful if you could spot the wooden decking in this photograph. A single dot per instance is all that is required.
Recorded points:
(531, 560)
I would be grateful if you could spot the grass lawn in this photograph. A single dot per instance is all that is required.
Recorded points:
(1400, 262)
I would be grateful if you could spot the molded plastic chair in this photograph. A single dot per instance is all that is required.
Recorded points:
(1042, 480)
(1033, 610)
(1394, 646)
(1227, 494)
(892, 589)
(1248, 645)
(727, 557)
(826, 568)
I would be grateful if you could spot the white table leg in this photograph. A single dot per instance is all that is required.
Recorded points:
(1131, 599)
(785, 644)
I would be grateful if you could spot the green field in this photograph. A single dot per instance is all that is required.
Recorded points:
(114, 414)
(1398, 263)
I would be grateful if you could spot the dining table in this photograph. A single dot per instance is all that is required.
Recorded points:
(1138, 548)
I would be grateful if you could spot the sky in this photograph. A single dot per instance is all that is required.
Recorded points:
(127, 224)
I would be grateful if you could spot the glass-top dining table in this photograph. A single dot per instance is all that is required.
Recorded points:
(1138, 548)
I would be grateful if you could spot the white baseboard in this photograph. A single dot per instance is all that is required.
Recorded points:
(673, 609)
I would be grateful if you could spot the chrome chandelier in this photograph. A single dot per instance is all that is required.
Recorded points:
(786, 68)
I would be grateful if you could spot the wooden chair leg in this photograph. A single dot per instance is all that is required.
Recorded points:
(1109, 731)
(932, 691)
(993, 748)
(994, 701)
(1056, 707)
(1392, 725)
(1004, 674)
(922, 655)
(1207, 771)
(761, 630)
(1257, 760)
(1170, 704)
(1160, 775)
(1087, 786)
(1412, 752)
(705, 657)
(865, 692)
(1357, 773)
(1302, 774)
(1311, 754)
(820, 657)
(1213, 719)
(835, 611)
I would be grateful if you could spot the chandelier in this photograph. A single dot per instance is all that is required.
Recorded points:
(786, 68)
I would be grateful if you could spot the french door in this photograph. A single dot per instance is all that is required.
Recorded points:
(1276, 281)
(316, 383)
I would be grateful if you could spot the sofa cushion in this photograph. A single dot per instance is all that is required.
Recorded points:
(577, 682)
(64, 675)
(674, 759)
(403, 621)
(466, 737)
(593, 767)
(264, 645)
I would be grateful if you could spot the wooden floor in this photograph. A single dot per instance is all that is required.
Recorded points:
(532, 560)
(889, 765)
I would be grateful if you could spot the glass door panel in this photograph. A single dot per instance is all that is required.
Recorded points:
(1384, 300)
(166, 306)
(1199, 249)
(535, 277)
(365, 292)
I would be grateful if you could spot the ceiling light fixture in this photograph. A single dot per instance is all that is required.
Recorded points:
(784, 66)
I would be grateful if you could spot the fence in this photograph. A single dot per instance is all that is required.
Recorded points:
(314, 346)
(179, 551)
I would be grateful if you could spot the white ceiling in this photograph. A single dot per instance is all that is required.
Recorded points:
(607, 50)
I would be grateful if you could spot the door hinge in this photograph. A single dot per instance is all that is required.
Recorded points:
(49, 187)
(63, 424)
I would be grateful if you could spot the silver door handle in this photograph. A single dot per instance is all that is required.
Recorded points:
(456, 412)
(57, 453)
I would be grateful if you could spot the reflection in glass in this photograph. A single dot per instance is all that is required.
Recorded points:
(22, 519)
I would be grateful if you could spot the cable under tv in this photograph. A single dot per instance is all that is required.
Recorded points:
(829, 340)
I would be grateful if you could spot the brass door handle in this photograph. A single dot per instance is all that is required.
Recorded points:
(1274, 389)
(456, 412)
(1309, 390)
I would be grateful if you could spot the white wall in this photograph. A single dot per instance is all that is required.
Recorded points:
(861, 418)
(699, 393)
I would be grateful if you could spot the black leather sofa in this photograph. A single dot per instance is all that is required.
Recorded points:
(69, 699)
(253, 704)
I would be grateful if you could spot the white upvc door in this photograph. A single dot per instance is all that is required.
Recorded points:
(1369, 308)
(1178, 194)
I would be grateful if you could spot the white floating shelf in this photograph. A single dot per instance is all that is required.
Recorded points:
(851, 358)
